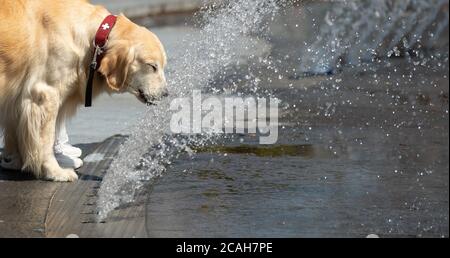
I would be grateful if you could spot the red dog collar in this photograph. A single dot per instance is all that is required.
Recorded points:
(100, 41)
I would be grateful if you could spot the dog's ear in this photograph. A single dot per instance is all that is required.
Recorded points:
(116, 65)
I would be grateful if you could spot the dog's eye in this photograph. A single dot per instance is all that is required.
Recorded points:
(154, 67)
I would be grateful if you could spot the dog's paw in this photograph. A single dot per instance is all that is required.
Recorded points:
(62, 175)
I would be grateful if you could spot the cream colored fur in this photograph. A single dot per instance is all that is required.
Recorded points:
(45, 51)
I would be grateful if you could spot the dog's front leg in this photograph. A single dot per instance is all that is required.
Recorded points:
(50, 167)
(37, 124)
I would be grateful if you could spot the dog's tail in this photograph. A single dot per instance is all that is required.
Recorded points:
(35, 116)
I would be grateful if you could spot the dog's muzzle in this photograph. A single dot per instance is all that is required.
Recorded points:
(150, 100)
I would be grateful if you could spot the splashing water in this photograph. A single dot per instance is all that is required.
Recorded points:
(359, 31)
(151, 147)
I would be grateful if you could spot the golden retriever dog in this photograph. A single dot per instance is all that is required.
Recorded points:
(46, 48)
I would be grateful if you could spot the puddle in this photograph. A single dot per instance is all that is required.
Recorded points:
(305, 151)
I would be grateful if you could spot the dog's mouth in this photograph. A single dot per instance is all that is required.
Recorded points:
(146, 99)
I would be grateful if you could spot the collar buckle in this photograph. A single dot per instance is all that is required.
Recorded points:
(97, 53)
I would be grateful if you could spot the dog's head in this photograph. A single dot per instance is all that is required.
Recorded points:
(134, 62)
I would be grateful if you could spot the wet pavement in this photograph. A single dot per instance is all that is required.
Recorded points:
(361, 152)
(25, 203)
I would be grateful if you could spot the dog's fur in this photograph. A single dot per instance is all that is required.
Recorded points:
(46, 47)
